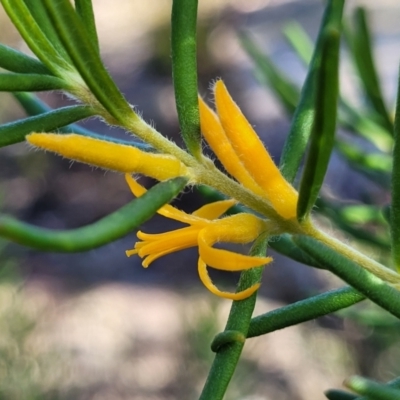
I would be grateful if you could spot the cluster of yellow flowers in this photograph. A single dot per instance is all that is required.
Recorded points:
(244, 157)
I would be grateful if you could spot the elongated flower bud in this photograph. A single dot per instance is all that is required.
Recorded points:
(110, 155)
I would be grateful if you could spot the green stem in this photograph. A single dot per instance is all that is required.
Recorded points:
(229, 351)
(355, 256)
(370, 285)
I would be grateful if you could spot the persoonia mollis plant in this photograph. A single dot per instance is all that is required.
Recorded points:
(262, 198)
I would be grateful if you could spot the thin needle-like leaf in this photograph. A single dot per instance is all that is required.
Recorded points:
(299, 40)
(349, 117)
(39, 13)
(324, 124)
(365, 126)
(304, 310)
(33, 106)
(340, 395)
(15, 132)
(84, 9)
(184, 71)
(86, 59)
(15, 61)
(303, 118)
(395, 207)
(33, 35)
(372, 390)
(268, 74)
(374, 165)
(361, 49)
(10, 82)
(106, 230)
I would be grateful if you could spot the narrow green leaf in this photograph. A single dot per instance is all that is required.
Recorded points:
(349, 117)
(374, 165)
(84, 9)
(386, 211)
(366, 283)
(10, 82)
(372, 390)
(304, 116)
(86, 59)
(33, 106)
(395, 207)
(349, 220)
(334, 394)
(364, 126)
(362, 214)
(15, 132)
(340, 395)
(106, 230)
(304, 310)
(40, 15)
(324, 124)
(269, 75)
(184, 71)
(361, 48)
(15, 61)
(34, 36)
(299, 40)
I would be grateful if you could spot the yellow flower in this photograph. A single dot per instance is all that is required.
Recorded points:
(259, 186)
(204, 230)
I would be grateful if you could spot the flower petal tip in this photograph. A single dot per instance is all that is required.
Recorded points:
(207, 282)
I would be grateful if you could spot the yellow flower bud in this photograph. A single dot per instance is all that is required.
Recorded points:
(109, 155)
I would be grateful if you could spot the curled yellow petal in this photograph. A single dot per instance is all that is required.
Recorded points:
(215, 136)
(110, 155)
(166, 210)
(154, 246)
(207, 282)
(214, 210)
(177, 239)
(136, 188)
(239, 228)
(253, 154)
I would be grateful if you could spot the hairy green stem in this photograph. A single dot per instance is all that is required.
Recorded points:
(355, 256)
(369, 284)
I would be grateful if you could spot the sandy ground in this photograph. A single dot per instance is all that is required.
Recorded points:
(130, 342)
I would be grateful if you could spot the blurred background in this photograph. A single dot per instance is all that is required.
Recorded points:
(96, 325)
